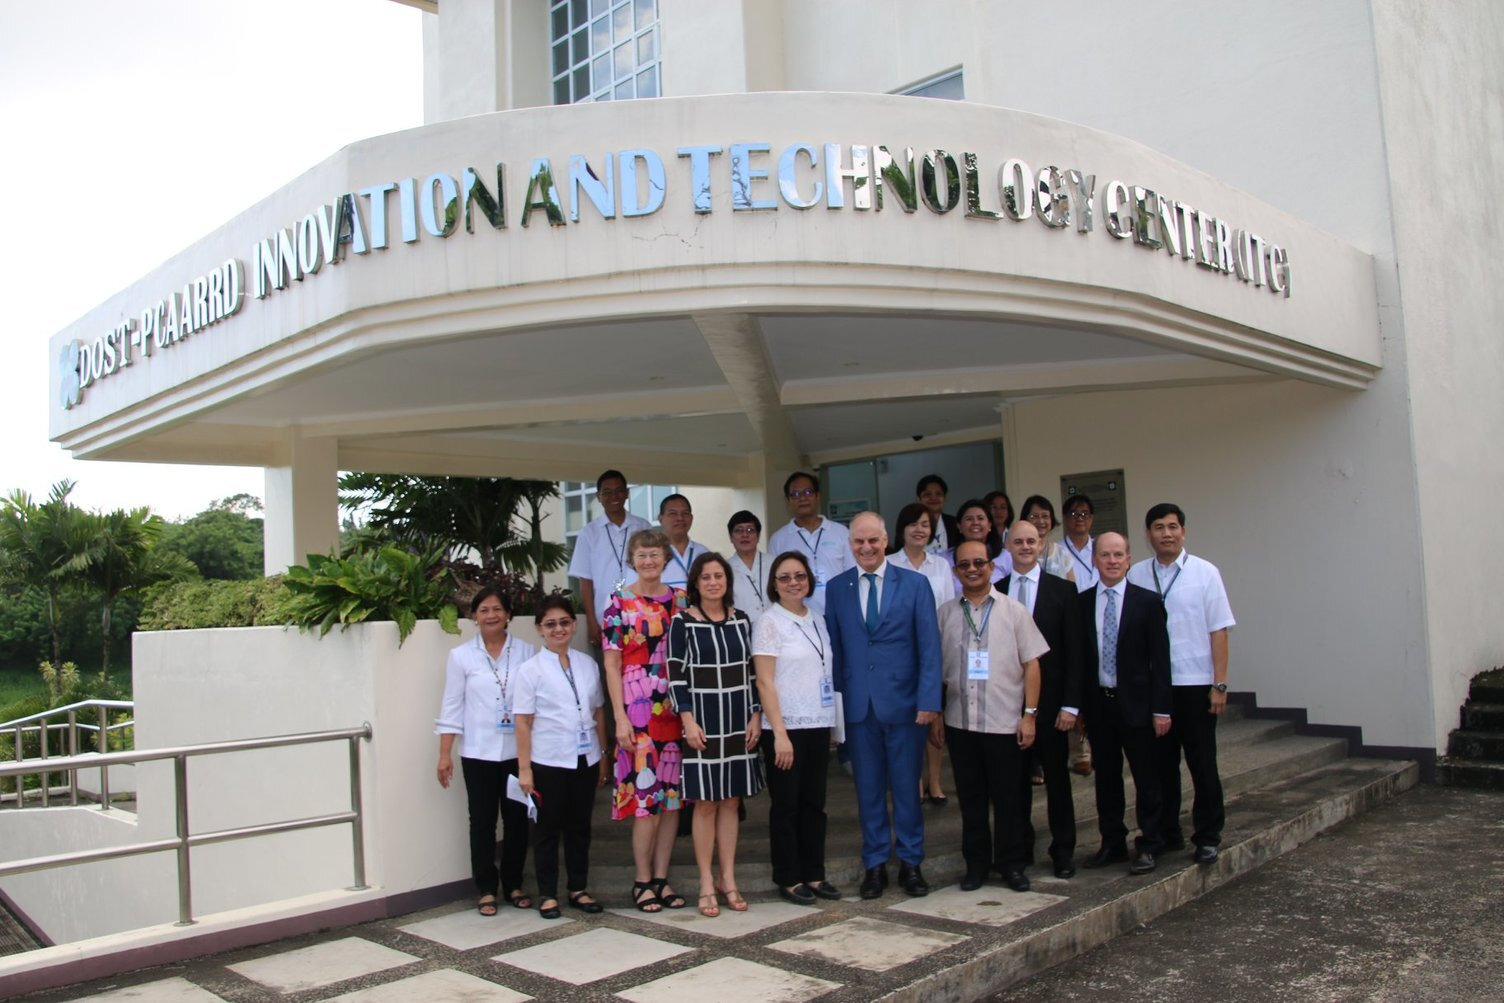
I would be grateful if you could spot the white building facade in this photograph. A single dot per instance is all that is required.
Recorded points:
(1241, 255)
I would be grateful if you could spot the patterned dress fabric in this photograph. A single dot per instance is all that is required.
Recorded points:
(710, 665)
(647, 774)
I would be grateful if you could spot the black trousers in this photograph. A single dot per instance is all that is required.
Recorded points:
(991, 779)
(1051, 750)
(1112, 740)
(1193, 729)
(566, 798)
(796, 807)
(486, 790)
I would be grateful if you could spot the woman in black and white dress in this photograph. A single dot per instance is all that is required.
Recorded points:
(791, 649)
(710, 679)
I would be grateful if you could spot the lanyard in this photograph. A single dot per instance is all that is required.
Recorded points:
(813, 548)
(978, 632)
(1164, 591)
(1076, 554)
(752, 577)
(506, 659)
(814, 642)
(682, 565)
(569, 678)
(620, 553)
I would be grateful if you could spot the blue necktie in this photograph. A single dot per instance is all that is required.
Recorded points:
(1109, 666)
(871, 601)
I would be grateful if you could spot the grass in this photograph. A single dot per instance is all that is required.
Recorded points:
(18, 684)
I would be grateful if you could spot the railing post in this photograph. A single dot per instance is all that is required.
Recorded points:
(185, 876)
(103, 746)
(73, 751)
(42, 739)
(20, 781)
(357, 825)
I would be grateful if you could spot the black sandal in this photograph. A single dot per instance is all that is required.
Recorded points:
(519, 899)
(650, 903)
(549, 911)
(585, 902)
(487, 905)
(673, 900)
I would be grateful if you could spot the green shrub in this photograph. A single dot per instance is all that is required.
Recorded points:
(198, 604)
(384, 584)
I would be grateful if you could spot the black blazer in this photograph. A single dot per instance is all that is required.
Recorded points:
(1057, 615)
(1143, 653)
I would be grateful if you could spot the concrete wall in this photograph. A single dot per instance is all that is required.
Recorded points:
(1441, 77)
(215, 685)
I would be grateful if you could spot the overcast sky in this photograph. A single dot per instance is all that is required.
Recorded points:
(130, 129)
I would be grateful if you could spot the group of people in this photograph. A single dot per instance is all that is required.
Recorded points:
(726, 675)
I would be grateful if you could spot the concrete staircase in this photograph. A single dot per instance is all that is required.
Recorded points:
(1475, 751)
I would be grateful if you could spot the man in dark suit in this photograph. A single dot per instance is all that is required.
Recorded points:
(1127, 648)
(1052, 603)
(885, 649)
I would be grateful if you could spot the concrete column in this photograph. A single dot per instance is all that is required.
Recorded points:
(302, 501)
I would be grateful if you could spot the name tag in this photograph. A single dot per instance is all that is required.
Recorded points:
(976, 664)
(827, 692)
(504, 724)
(586, 741)
(819, 579)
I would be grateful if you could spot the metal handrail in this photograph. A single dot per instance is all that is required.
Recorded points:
(38, 723)
(185, 839)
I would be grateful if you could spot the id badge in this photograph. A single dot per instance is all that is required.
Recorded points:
(586, 741)
(827, 692)
(976, 664)
(819, 579)
(504, 724)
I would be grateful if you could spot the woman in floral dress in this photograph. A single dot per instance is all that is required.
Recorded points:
(649, 735)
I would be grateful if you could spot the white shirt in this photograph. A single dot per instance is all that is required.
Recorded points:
(1196, 607)
(676, 568)
(938, 543)
(478, 695)
(862, 586)
(828, 550)
(1032, 577)
(561, 712)
(1083, 562)
(600, 556)
(801, 646)
(1121, 588)
(942, 577)
(750, 585)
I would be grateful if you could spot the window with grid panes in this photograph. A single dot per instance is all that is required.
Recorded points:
(604, 50)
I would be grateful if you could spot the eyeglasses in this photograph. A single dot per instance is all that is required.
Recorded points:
(557, 624)
(743, 529)
(806, 493)
(980, 562)
(1080, 513)
(788, 579)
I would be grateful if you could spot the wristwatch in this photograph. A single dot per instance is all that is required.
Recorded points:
(1220, 687)
(1031, 711)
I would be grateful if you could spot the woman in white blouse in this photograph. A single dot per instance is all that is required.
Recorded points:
(791, 650)
(479, 682)
(748, 565)
(561, 732)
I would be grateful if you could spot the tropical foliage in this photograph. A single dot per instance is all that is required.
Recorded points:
(384, 584)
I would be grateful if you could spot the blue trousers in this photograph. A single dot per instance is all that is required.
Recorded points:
(884, 757)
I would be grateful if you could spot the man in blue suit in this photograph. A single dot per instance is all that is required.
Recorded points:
(885, 645)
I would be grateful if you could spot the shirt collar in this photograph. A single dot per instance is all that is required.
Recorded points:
(1031, 575)
(1179, 561)
(880, 571)
(1120, 588)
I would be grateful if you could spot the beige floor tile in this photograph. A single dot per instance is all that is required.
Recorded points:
(731, 979)
(759, 916)
(597, 954)
(172, 990)
(443, 986)
(466, 929)
(869, 944)
(989, 906)
(321, 964)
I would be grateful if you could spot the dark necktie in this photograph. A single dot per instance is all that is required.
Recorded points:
(871, 601)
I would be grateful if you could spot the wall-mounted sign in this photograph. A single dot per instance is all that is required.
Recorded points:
(630, 184)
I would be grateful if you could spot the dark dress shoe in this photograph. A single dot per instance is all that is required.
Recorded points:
(799, 895)
(1016, 879)
(873, 882)
(824, 890)
(1142, 864)
(1104, 856)
(1065, 867)
(911, 880)
(1206, 855)
(973, 880)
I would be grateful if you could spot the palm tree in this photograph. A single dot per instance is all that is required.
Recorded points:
(120, 557)
(38, 547)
